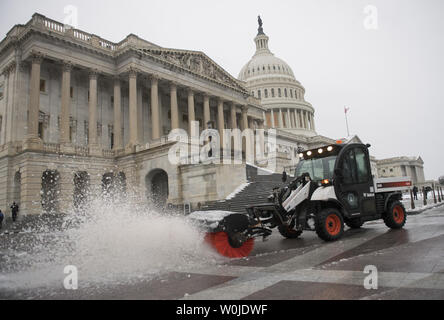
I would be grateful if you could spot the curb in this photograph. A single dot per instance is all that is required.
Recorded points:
(419, 211)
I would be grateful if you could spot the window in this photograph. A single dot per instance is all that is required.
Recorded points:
(272, 93)
(1, 91)
(71, 92)
(348, 168)
(354, 167)
(259, 94)
(266, 93)
(279, 93)
(361, 164)
(42, 85)
(41, 130)
(291, 93)
(285, 92)
(86, 131)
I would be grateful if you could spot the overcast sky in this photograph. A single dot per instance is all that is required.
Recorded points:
(391, 77)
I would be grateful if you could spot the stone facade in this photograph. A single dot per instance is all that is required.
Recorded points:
(78, 112)
(401, 167)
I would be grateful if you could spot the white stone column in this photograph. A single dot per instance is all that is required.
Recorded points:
(32, 140)
(5, 73)
(191, 110)
(174, 107)
(207, 113)
(66, 104)
(133, 139)
(220, 120)
(233, 115)
(289, 126)
(281, 119)
(140, 113)
(118, 139)
(312, 122)
(92, 126)
(155, 112)
(244, 117)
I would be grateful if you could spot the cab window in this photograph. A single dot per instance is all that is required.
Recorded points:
(354, 166)
(348, 168)
(361, 165)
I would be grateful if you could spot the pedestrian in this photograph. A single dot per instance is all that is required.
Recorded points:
(14, 210)
(2, 216)
(284, 177)
(415, 193)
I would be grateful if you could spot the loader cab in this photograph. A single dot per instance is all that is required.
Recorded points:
(353, 181)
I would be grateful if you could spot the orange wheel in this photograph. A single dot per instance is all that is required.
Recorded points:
(398, 214)
(221, 242)
(333, 224)
(329, 224)
(395, 216)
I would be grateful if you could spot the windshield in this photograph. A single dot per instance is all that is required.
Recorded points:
(318, 169)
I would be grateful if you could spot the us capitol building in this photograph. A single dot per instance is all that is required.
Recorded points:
(80, 114)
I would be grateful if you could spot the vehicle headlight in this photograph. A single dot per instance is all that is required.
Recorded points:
(326, 182)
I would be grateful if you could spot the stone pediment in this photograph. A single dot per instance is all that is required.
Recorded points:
(195, 62)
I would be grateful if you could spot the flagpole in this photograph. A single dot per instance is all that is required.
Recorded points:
(346, 121)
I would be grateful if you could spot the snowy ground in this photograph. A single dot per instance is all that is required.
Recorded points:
(157, 257)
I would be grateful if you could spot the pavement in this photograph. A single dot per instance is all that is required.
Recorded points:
(407, 263)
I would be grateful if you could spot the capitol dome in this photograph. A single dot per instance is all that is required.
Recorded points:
(272, 81)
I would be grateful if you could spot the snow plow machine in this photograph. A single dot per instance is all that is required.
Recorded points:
(333, 186)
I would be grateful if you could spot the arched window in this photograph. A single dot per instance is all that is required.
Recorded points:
(285, 92)
(259, 94)
(272, 93)
(279, 92)
(291, 93)
(266, 93)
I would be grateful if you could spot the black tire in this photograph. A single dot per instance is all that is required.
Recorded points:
(329, 224)
(395, 217)
(354, 223)
(289, 232)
